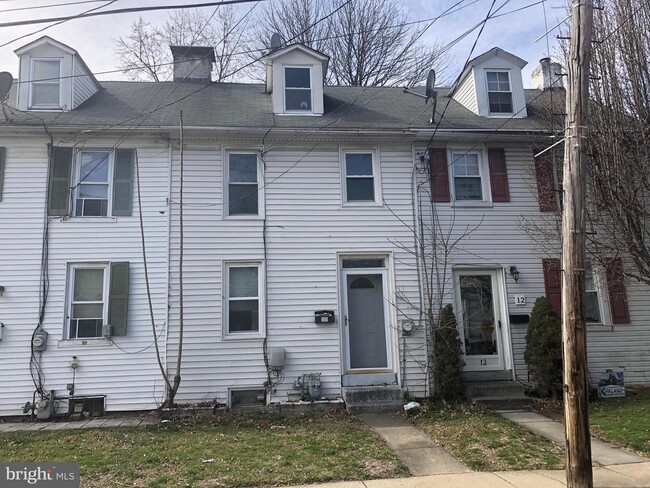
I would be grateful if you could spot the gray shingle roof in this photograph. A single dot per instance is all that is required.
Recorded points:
(124, 105)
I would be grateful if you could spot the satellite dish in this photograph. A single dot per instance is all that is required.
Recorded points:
(6, 80)
(431, 83)
(276, 41)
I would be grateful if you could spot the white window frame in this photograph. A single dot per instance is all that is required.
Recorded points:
(226, 184)
(600, 287)
(285, 88)
(488, 91)
(72, 267)
(376, 175)
(48, 82)
(261, 331)
(484, 174)
(78, 182)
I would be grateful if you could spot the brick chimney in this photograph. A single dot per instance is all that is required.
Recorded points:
(193, 63)
(547, 75)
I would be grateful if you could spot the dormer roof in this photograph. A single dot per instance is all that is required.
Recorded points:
(295, 77)
(491, 85)
(63, 47)
(482, 58)
(323, 58)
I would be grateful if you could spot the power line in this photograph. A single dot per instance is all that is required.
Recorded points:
(108, 2)
(123, 11)
(51, 5)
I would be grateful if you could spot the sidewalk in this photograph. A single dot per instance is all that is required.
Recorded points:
(635, 475)
(601, 452)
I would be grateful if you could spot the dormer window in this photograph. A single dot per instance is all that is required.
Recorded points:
(297, 83)
(499, 92)
(46, 83)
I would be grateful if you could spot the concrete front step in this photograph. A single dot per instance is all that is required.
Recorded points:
(499, 395)
(373, 399)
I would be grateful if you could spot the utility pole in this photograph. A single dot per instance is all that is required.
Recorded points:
(576, 386)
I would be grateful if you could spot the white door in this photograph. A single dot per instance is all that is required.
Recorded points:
(366, 331)
(480, 322)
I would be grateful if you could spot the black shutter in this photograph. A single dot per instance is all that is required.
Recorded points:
(123, 182)
(118, 299)
(60, 175)
(2, 169)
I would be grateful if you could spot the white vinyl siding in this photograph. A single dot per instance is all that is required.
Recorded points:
(305, 231)
(129, 376)
(466, 93)
(83, 86)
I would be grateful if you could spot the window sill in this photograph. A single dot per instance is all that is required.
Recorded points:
(243, 217)
(45, 109)
(88, 342)
(88, 219)
(362, 204)
(471, 204)
(243, 337)
(300, 114)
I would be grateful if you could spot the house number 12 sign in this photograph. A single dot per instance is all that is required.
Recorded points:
(520, 300)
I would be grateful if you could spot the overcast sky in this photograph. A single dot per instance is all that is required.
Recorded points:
(94, 38)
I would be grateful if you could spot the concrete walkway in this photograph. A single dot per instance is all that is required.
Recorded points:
(601, 452)
(412, 446)
(635, 475)
(76, 424)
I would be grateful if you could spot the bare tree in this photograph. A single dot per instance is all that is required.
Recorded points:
(371, 45)
(620, 134)
(368, 41)
(144, 54)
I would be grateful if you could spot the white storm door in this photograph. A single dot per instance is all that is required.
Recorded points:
(366, 330)
(478, 312)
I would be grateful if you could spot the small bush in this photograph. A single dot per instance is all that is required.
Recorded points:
(543, 353)
(447, 356)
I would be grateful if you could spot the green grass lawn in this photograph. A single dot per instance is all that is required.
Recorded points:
(623, 421)
(232, 451)
(485, 441)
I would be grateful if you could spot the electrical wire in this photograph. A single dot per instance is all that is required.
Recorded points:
(108, 2)
(51, 5)
(123, 11)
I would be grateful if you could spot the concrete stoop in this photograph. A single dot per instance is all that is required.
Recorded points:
(373, 399)
(498, 395)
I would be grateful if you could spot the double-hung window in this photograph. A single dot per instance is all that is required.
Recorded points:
(94, 177)
(242, 194)
(46, 83)
(593, 312)
(297, 89)
(243, 298)
(87, 310)
(98, 296)
(467, 176)
(499, 92)
(360, 178)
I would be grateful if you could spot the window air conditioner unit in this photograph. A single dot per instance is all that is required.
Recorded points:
(107, 331)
